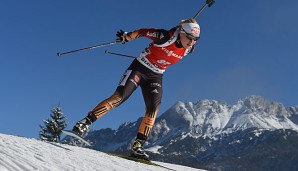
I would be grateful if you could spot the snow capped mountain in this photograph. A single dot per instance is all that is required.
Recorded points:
(211, 117)
(206, 117)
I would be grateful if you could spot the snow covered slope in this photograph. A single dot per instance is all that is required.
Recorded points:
(23, 154)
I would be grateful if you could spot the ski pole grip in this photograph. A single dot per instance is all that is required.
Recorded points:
(210, 2)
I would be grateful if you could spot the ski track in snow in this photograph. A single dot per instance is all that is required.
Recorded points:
(24, 154)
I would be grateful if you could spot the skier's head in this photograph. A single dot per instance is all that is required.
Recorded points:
(189, 32)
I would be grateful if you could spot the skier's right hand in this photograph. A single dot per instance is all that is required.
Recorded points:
(121, 36)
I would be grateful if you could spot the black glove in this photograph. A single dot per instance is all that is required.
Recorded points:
(121, 36)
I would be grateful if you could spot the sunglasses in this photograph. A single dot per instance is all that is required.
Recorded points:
(190, 36)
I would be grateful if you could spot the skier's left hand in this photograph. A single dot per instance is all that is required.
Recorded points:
(121, 36)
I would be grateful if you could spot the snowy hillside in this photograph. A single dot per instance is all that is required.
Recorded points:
(23, 154)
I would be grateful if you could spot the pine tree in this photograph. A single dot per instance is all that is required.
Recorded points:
(54, 126)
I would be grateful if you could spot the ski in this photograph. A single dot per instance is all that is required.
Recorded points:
(138, 160)
(132, 158)
(75, 135)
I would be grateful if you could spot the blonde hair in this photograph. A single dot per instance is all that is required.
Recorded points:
(190, 20)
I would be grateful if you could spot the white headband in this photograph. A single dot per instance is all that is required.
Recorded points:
(192, 28)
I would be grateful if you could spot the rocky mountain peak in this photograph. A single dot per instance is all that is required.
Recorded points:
(213, 117)
(262, 105)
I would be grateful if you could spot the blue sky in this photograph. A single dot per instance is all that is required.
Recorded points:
(246, 48)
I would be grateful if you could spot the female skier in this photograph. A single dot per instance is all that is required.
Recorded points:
(167, 48)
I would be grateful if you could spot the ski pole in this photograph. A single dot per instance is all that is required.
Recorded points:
(88, 48)
(208, 3)
(118, 54)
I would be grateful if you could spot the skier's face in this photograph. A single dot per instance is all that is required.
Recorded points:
(187, 40)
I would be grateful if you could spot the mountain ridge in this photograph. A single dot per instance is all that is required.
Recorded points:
(211, 117)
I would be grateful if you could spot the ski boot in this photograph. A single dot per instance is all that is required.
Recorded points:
(137, 150)
(83, 125)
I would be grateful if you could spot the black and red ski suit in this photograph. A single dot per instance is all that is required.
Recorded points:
(147, 72)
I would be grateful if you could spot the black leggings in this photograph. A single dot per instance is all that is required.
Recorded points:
(151, 85)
